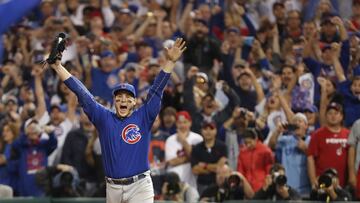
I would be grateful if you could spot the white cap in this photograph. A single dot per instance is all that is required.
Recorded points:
(203, 75)
(300, 116)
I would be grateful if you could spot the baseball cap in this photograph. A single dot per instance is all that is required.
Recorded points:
(325, 46)
(203, 75)
(124, 87)
(206, 124)
(11, 98)
(133, 8)
(300, 116)
(310, 108)
(181, 115)
(61, 108)
(335, 106)
(326, 18)
(153, 63)
(202, 21)
(130, 66)
(240, 64)
(125, 11)
(107, 53)
(233, 29)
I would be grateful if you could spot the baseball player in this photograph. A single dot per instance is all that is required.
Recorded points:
(125, 134)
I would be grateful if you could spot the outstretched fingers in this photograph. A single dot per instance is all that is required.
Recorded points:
(178, 42)
(182, 46)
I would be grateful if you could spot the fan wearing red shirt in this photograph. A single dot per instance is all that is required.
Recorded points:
(328, 146)
(255, 159)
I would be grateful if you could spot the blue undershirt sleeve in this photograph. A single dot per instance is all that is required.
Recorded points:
(153, 100)
(95, 111)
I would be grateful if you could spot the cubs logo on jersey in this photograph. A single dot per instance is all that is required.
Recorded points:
(131, 134)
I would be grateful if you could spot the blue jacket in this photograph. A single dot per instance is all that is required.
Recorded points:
(32, 158)
(8, 175)
(124, 142)
(351, 103)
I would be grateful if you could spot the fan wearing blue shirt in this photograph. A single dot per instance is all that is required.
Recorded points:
(350, 89)
(104, 78)
(290, 149)
(125, 134)
(33, 155)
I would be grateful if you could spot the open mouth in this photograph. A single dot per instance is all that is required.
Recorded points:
(123, 107)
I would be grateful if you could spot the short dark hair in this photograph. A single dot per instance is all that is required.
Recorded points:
(276, 167)
(209, 95)
(250, 133)
(288, 66)
(278, 4)
(172, 177)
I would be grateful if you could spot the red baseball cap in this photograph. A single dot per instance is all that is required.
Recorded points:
(183, 115)
(206, 124)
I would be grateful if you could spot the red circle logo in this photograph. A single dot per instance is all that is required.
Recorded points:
(131, 134)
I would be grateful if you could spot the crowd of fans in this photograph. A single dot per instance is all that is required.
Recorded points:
(263, 105)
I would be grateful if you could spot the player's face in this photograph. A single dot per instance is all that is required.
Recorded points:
(124, 103)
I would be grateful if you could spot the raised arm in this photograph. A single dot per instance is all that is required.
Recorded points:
(50, 144)
(185, 16)
(39, 92)
(285, 106)
(141, 30)
(93, 110)
(71, 102)
(324, 100)
(258, 89)
(275, 135)
(335, 49)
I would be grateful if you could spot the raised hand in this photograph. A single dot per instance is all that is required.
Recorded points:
(337, 21)
(335, 48)
(174, 53)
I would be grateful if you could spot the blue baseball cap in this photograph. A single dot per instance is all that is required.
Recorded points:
(124, 87)
(61, 108)
(310, 108)
(107, 53)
